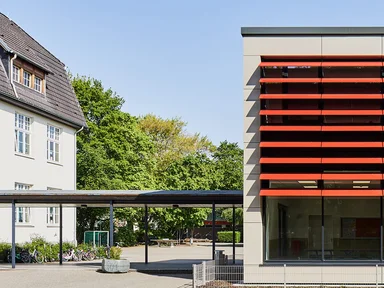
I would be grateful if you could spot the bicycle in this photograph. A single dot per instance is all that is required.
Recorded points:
(69, 256)
(90, 255)
(80, 254)
(23, 256)
(36, 257)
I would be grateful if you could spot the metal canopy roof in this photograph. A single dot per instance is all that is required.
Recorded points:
(125, 198)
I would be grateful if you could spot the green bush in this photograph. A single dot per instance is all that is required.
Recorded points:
(50, 251)
(101, 252)
(126, 236)
(115, 253)
(4, 248)
(68, 246)
(226, 236)
(84, 247)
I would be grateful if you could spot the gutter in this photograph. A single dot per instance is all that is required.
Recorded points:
(75, 183)
(30, 107)
(11, 73)
(5, 46)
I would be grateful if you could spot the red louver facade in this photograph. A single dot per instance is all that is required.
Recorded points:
(321, 126)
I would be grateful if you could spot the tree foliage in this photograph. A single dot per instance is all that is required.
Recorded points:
(113, 153)
(120, 152)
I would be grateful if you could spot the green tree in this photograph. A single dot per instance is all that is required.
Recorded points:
(113, 153)
(172, 142)
(227, 215)
(228, 158)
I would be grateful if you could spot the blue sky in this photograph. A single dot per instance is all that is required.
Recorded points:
(174, 58)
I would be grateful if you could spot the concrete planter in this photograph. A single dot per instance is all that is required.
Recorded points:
(115, 266)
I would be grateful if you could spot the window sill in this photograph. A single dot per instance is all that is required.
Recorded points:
(25, 156)
(53, 225)
(54, 163)
(24, 225)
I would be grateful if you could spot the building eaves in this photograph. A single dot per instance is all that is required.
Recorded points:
(309, 31)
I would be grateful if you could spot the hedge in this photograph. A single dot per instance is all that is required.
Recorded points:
(226, 236)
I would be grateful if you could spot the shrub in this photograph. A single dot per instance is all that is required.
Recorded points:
(4, 249)
(115, 253)
(217, 283)
(84, 247)
(126, 236)
(68, 246)
(101, 252)
(226, 236)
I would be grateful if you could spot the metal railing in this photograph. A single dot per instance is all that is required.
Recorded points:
(211, 274)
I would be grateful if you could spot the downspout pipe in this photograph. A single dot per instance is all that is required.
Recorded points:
(11, 73)
(75, 182)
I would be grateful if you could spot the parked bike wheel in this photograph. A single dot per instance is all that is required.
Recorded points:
(39, 258)
(66, 257)
(79, 254)
(25, 257)
(90, 255)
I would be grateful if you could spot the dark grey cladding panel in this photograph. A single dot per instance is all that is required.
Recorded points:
(291, 31)
(5, 83)
(5, 60)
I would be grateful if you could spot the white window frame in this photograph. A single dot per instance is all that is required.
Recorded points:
(22, 214)
(23, 125)
(53, 213)
(38, 79)
(53, 217)
(53, 138)
(29, 78)
(16, 76)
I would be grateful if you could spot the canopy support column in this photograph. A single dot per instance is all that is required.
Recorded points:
(146, 233)
(213, 230)
(111, 224)
(233, 234)
(61, 235)
(13, 234)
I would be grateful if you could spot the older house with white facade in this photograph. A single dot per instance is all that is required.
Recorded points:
(39, 119)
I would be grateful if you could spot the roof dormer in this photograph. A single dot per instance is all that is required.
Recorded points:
(28, 75)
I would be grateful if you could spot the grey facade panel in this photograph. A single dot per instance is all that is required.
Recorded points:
(290, 31)
(5, 60)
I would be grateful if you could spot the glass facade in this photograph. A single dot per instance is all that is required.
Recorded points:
(352, 228)
(294, 228)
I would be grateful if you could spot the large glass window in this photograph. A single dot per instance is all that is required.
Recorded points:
(293, 228)
(352, 228)
(351, 184)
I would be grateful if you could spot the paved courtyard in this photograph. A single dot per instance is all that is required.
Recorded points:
(85, 278)
(168, 267)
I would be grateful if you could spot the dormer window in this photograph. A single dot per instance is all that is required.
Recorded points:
(37, 86)
(16, 73)
(28, 75)
(27, 79)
